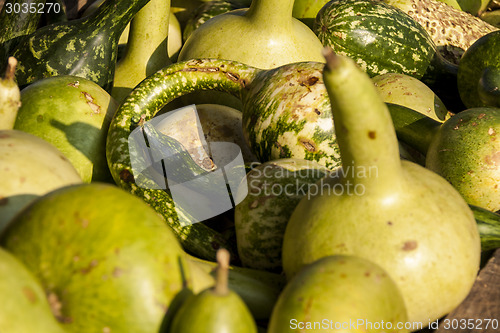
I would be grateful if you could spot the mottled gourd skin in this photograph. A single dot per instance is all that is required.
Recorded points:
(86, 47)
(452, 30)
(465, 151)
(121, 266)
(483, 54)
(22, 293)
(297, 124)
(274, 189)
(380, 38)
(340, 290)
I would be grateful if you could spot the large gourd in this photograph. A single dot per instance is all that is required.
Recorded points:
(86, 47)
(106, 261)
(399, 215)
(264, 36)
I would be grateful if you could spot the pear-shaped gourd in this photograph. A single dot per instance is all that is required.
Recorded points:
(73, 114)
(147, 48)
(106, 261)
(216, 309)
(264, 36)
(23, 297)
(340, 293)
(29, 167)
(399, 215)
(10, 96)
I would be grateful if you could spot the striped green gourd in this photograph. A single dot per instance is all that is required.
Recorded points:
(488, 224)
(86, 47)
(381, 39)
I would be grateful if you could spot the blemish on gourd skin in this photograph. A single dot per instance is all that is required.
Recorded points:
(4, 201)
(372, 134)
(308, 144)
(409, 245)
(30, 295)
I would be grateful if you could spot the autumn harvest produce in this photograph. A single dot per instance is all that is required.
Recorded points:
(350, 145)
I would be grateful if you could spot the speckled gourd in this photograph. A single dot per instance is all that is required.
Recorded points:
(453, 30)
(399, 215)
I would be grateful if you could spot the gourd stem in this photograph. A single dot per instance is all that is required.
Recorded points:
(365, 133)
(277, 13)
(221, 282)
(11, 69)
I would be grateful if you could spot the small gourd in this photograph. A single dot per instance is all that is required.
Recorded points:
(215, 310)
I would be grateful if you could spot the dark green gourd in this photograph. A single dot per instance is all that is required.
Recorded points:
(86, 47)
(16, 25)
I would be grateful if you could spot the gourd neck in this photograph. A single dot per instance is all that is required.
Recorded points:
(114, 15)
(364, 131)
(276, 13)
(148, 37)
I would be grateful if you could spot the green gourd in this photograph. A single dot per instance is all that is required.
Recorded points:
(306, 10)
(399, 215)
(264, 36)
(214, 310)
(121, 267)
(16, 21)
(479, 72)
(10, 96)
(29, 168)
(85, 47)
(146, 51)
(341, 293)
(23, 295)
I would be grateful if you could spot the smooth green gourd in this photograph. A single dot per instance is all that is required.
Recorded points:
(399, 215)
(215, 310)
(147, 48)
(10, 96)
(340, 293)
(264, 36)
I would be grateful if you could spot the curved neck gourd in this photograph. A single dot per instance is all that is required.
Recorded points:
(147, 47)
(365, 134)
(86, 47)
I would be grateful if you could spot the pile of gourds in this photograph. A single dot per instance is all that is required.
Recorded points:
(367, 131)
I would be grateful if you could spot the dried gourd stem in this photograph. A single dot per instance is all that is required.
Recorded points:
(330, 57)
(11, 68)
(221, 287)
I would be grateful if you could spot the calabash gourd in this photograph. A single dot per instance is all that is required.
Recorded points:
(21, 294)
(214, 310)
(85, 47)
(73, 114)
(340, 293)
(10, 96)
(479, 72)
(399, 215)
(115, 248)
(147, 48)
(29, 167)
